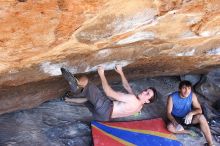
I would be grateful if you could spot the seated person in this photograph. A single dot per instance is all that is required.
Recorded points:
(183, 107)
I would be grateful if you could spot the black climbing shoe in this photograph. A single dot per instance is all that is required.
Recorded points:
(66, 94)
(70, 79)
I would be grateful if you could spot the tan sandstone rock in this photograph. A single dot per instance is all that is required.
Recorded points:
(149, 37)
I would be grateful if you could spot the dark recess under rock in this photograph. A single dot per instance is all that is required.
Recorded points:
(58, 123)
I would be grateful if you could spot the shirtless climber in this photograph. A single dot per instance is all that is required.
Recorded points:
(112, 104)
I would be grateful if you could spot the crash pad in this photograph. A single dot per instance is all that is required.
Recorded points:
(142, 133)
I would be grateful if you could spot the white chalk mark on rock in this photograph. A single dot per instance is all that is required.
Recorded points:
(103, 53)
(54, 69)
(109, 65)
(138, 37)
(215, 51)
(190, 53)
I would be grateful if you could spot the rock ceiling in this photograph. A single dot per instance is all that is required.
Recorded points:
(149, 37)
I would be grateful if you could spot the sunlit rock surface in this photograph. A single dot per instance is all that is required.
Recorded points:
(152, 38)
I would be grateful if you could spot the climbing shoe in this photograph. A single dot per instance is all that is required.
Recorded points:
(70, 79)
(66, 94)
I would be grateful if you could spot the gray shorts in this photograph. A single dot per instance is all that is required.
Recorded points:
(99, 104)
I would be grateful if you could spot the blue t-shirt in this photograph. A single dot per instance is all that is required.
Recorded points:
(181, 106)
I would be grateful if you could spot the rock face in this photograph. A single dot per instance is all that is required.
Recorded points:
(150, 38)
(209, 86)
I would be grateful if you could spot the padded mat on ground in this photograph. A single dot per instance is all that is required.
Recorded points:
(142, 133)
